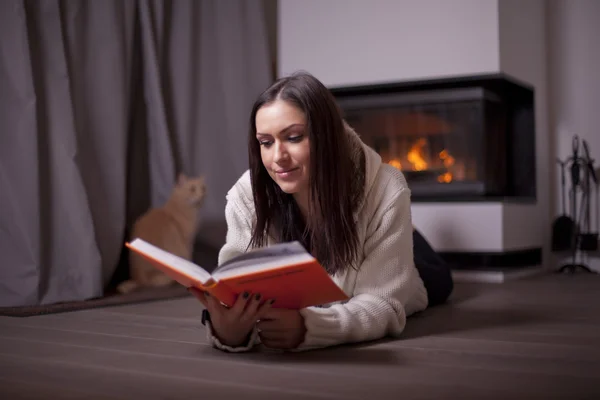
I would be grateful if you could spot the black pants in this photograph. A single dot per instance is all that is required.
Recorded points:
(434, 271)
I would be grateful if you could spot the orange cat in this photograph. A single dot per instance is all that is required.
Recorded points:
(172, 227)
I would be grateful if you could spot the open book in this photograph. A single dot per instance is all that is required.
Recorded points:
(285, 272)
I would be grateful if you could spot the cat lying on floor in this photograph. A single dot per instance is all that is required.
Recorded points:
(172, 227)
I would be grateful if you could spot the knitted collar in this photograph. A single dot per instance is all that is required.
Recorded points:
(366, 165)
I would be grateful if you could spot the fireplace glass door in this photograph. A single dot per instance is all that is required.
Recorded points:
(446, 143)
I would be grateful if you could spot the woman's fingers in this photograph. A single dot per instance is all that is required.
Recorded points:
(266, 311)
(213, 305)
(240, 304)
(247, 306)
(253, 304)
(269, 325)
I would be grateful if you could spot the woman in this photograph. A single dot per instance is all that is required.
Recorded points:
(312, 179)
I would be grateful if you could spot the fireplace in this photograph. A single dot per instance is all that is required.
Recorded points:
(467, 138)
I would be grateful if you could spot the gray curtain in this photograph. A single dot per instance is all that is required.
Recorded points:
(102, 103)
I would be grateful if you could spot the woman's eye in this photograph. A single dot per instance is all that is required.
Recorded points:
(295, 139)
(265, 143)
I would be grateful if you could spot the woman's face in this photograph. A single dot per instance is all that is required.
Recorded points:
(284, 145)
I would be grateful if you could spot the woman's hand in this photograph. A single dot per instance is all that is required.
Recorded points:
(232, 325)
(281, 328)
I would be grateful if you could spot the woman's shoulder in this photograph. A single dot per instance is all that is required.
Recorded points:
(388, 191)
(241, 191)
(387, 186)
(392, 179)
(381, 178)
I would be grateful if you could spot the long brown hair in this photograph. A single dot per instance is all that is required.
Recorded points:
(329, 232)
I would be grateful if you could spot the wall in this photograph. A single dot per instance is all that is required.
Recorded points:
(347, 42)
(574, 61)
(405, 40)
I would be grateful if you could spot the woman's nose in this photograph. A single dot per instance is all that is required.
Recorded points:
(281, 153)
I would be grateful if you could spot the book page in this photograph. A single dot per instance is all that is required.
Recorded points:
(170, 260)
(248, 267)
(269, 254)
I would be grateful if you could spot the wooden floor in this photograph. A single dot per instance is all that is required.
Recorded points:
(531, 339)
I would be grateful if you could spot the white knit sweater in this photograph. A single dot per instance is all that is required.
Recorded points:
(383, 291)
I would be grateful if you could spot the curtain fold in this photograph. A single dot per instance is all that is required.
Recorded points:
(19, 181)
(102, 103)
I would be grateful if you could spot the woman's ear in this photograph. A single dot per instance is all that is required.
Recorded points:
(181, 178)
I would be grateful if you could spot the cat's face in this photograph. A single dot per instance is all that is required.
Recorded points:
(190, 190)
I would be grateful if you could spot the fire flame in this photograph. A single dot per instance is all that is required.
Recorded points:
(446, 158)
(445, 178)
(396, 164)
(415, 156)
(417, 159)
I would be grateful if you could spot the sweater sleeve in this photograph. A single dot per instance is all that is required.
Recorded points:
(386, 280)
(239, 227)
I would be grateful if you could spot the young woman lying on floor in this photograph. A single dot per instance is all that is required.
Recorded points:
(313, 180)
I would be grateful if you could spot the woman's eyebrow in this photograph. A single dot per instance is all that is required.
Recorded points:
(284, 130)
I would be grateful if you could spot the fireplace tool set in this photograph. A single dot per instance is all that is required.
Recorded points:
(574, 231)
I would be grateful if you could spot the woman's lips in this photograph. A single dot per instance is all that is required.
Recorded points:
(286, 173)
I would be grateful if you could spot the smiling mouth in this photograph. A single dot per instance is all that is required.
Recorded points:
(286, 171)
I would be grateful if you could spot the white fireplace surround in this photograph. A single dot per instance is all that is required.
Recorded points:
(493, 227)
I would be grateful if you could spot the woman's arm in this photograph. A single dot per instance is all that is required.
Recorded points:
(239, 231)
(238, 216)
(387, 281)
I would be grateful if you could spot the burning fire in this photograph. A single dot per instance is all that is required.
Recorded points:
(417, 159)
(396, 163)
(445, 178)
(448, 161)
